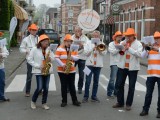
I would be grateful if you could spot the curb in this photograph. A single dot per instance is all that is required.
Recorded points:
(21, 62)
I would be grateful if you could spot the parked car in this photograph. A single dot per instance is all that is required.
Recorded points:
(54, 36)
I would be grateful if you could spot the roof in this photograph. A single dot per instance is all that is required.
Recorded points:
(53, 10)
(72, 1)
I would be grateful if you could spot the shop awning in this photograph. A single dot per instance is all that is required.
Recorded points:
(19, 12)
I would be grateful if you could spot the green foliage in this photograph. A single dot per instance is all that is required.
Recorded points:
(4, 14)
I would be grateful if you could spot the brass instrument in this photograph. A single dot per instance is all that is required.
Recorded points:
(69, 63)
(47, 65)
(101, 47)
(150, 46)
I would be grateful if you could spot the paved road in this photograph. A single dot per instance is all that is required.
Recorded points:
(19, 107)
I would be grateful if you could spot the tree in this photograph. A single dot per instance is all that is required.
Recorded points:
(5, 14)
(41, 10)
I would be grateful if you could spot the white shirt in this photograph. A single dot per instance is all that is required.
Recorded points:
(114, 54)
(99, 58)
(4, 52)
(28, 43)
(135, 51)
(36, 58)
(83, 52)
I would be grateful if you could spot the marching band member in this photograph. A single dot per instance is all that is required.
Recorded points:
(38, 58)
(3, 54)
(94, 63)
(27, 44)
(153, 75)
(78, 36)
(129, 65)
(114, 59)
(66, 69)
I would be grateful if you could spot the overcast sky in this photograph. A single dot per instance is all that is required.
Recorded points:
(47, 2)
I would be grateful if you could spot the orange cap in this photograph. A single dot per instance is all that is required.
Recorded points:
(43, 37)
(130, 31)
(68, 37)
(1, 34)
(118, 33)
(33, 27)
(156, 34)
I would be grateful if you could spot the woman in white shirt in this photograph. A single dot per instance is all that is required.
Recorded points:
(38, 58)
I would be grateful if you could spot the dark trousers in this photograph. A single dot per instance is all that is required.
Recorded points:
(150, 83)
(122, 74)
(42, 83)
(81, 66)
(29, 78)
(2, 83)
(67, 81)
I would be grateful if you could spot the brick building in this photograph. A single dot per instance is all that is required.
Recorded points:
(143, 15)
(70, 10)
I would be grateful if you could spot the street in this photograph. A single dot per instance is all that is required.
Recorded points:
(19, 106)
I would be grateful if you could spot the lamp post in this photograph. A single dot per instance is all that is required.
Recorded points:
(104, 24)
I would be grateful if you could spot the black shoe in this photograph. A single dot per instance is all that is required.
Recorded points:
(63, 104)
(117, 105)
(143, 113)
(158, 115)
(5, 100)
(76, 103)
(79, 91)
(95, 100)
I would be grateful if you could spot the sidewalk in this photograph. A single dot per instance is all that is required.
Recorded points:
(13, 61)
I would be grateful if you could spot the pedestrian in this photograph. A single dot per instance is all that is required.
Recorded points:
(95, 63)
(3, 54)
(38, 58)
(129, 65)
(64, 56)
(153, 56)
(27, 44)
(84, 43)
(114, 59)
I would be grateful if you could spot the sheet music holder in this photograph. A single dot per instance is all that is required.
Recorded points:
(53, 47)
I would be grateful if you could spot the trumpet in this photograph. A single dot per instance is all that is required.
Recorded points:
(150, 47)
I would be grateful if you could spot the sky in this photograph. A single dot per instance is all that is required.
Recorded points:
(47, 2)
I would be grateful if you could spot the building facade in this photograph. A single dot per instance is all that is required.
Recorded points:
(69, 16)
(142, 15)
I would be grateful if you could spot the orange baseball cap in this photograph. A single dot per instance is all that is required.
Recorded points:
(130, 31)
(118, 33)
(33, 27)
(68, 37)
(43, 37)
(1, 34)
(156, 34)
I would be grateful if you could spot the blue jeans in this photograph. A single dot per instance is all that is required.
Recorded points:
(96, 72)
(2, 83)
(42, 83)
(111, 84)
(150, 83)
(29, 78)
(122, 74)
(81, 66)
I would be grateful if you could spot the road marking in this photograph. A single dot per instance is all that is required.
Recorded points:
(17, 84)
(52, 84)
(138, 87)
(143, 76)
(76, 81)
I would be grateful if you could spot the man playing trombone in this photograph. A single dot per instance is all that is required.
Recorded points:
(94, 62)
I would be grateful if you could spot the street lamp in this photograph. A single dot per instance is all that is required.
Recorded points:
(104, 25)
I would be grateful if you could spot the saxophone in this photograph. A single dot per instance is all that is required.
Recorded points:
(47, 65)
(69, 63)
